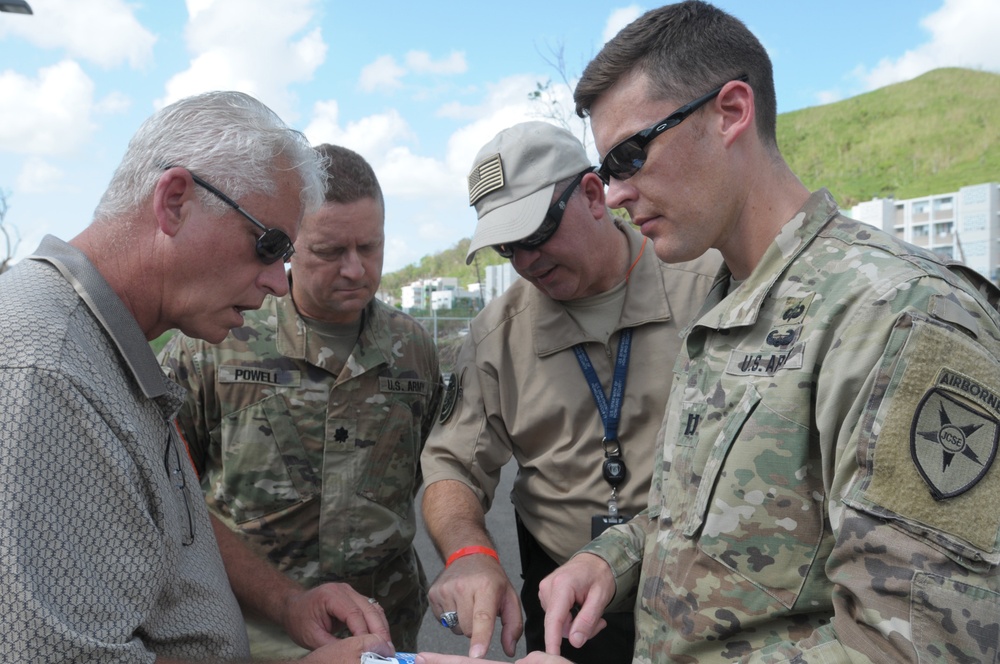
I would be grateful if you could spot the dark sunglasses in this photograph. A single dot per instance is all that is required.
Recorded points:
(550, 224)
(625, 159)
(273, 245)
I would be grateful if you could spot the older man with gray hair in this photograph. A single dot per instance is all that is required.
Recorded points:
(108, 553)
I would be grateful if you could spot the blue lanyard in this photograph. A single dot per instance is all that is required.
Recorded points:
(610, 409)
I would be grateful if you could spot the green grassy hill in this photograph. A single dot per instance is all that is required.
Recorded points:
(930, 135)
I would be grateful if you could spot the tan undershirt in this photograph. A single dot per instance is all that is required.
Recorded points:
(598, 315)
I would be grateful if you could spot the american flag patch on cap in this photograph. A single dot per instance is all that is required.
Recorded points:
(486, 176)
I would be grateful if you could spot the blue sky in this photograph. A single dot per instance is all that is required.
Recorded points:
(416, 87)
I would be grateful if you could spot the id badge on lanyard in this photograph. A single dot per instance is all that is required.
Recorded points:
(614, 469)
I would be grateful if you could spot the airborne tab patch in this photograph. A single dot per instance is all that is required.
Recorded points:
(952, 444)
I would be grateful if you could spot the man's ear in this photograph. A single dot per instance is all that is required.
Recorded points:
(172, 196)
(593, 189)
(736, 106)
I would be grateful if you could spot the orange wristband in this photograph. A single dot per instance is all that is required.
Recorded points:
(468, 551)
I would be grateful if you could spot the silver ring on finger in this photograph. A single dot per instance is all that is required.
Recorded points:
(449, 619)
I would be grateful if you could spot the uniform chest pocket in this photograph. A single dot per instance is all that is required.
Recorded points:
(264, 465)
(391, 470)
(760, 505)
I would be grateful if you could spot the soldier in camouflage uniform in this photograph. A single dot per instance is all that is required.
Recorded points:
(306, 424)
(826, 485)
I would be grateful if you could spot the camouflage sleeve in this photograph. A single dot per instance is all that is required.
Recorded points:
(183, 361)
(621, 547)
(907, 416)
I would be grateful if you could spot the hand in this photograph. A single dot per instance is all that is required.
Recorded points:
(313, 616)
(586, 581)
(349, 650)
(478, 589)
(537, 657)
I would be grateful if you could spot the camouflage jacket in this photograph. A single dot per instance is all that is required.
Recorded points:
(318, 472)
(826, 489)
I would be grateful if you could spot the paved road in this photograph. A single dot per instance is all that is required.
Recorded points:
(500, 521)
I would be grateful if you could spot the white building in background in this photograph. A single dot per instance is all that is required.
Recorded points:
(449, 299)
(498, 279)
(964, 225)
(437, 293)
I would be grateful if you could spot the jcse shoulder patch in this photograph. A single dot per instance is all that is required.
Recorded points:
(935, 436)
(952, 444)
(450, 396)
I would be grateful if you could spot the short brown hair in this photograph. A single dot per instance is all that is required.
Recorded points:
(685, 50)
(351, 178)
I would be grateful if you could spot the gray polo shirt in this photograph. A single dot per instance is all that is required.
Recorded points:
(104, 557)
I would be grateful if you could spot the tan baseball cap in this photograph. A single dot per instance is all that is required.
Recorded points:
(513, 179)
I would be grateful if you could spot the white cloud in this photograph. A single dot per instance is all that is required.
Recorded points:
(828, 96)
(412, 176)
(38, 176)
(385, 140)
(105, 32)
(47, 115)
(426, 198)
(618, 19)
(506, 104)
(962, 34)
(421, 62)
(384, 74)
(114, 102)
(246, 45)
(371, 136)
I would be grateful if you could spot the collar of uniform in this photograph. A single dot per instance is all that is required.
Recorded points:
(119, 323)
(794, 236)
(294, 337)
(554, 330)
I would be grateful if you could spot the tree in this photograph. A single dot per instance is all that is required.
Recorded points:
(555, 98)
(10, 237)
(549, 97)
